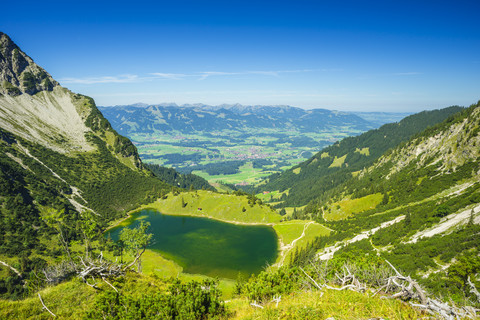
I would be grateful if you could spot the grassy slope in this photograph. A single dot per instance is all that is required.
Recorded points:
(296, 234)
(71, 300)
(335, 164)
(344, 208)
(328, 304)
(216, 206)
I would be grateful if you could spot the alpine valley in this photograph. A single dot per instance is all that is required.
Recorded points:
(377, 224)
(235, 144)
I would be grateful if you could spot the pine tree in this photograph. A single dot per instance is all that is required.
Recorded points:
(471, 219)
(408, 219)
(385, 199)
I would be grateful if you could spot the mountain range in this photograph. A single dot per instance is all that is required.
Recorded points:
(407, 193)
(191, 118)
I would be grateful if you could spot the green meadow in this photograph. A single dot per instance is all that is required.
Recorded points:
(247, 157)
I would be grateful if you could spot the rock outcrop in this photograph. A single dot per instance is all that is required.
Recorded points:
(18, 73)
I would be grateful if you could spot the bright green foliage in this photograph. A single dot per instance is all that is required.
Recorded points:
(453, 282)
(187, 301)
(467, 265)
(88, 227)
(267, 285)
(442, 211)
(136, 240)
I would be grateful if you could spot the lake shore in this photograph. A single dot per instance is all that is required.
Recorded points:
(197, 206)
(271, 224)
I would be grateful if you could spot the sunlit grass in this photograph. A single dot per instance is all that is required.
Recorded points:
(326, 304)
(337, 162)
(364, 151)
(247, 174)
(297, 234)
(347, 207)
(225, 207)
(290, 230)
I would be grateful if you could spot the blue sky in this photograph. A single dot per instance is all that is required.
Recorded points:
(343, 55)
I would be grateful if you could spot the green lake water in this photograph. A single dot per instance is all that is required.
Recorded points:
(209, 247)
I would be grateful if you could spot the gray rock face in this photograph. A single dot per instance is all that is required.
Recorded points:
(18, 73)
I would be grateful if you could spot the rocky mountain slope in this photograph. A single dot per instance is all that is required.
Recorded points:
(335, 164)
(418, 206)
(61, 163)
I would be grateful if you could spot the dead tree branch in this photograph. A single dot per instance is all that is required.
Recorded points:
(135, 260)
(44, 306)
(99, 268)
(110, 284)
(255, 304)
(473, 289)
(11, 268)
(409, 288)
(398, 286)
(311, 279)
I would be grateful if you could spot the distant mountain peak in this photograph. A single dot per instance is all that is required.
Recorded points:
(18, 73)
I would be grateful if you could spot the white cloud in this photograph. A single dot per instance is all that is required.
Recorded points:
(106, 79)
(172, 76)
(128, 78)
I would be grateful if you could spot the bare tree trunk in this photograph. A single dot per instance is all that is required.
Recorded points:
(134, 261)
(65, 245)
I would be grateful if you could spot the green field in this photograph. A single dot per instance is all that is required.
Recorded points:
(296, 234)
(234, 157)
(225, 207)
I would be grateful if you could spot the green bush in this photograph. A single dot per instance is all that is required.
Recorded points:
(266, 285)
(187, 301)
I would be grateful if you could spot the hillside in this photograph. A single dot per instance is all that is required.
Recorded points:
(335, 164)
(61, 163)
(423, 209)
(65, 175)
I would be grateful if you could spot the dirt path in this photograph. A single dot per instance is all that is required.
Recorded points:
(285, 249)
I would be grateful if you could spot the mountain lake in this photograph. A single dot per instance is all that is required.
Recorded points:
(206, 246)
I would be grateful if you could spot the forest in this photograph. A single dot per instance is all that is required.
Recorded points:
(317, 176)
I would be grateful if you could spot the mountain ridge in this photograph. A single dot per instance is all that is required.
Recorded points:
(338, 162)
(58, 156)
(18, 73)
(200, 117)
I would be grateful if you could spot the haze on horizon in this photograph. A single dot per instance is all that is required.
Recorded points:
(353, 56)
